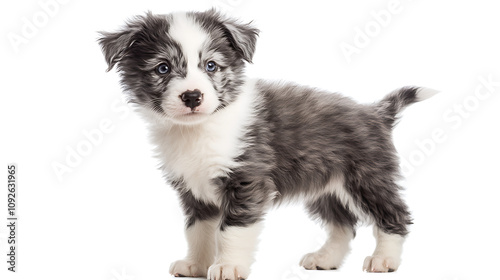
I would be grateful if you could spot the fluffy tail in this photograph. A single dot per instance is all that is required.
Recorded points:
(390, 107)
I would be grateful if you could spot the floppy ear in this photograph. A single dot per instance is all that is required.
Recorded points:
(243, 37)
(115, 44)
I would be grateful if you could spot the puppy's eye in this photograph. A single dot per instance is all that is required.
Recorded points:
(211, 66)
(162, 69)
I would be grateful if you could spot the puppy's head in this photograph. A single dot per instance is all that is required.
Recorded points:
(183, 67)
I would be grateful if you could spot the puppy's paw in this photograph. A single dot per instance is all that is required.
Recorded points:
(320, 261)
(380, 264)
(186, 268)
(227, 272)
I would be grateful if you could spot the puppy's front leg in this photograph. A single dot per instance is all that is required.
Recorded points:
(244, 205)
(235, 252)
(202, 222)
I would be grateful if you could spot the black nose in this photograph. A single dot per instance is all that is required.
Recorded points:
(192, 99)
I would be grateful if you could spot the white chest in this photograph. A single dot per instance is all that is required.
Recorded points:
(197, 157)
(197, 154)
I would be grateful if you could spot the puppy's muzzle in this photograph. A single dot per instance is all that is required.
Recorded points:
(192, 99)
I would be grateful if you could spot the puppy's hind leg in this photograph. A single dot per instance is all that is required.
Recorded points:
(391, 217)
(339, 223)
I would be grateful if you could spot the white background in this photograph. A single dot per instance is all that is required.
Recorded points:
(113, 217)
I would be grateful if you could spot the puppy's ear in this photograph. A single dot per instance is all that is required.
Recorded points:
(114, 45)
(243, 37)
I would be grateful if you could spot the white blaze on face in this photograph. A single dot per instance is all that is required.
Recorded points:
(191, 38)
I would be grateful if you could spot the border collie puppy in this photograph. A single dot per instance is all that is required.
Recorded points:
(233, 147)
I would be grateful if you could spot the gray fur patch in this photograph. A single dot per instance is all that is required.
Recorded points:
(306, 137)
(194, 210)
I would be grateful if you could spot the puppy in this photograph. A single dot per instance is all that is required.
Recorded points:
(234, 147)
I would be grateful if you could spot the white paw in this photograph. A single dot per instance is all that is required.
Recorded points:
(380, 264)
(227, 272)
(186, 268)
(320, 261)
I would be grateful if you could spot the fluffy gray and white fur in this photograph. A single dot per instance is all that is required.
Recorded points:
(234, 147)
